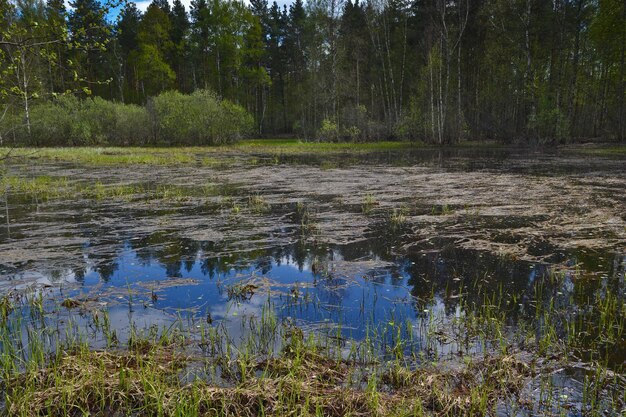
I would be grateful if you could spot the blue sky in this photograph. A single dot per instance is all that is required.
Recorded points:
(143, 5)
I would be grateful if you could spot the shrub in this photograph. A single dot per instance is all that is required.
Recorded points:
(354, 123)
(235, 122)
(200, 118)
(548, 122)
(329, 131)
(132, 125)
(174, 118)
(412, 123)
(70, 121)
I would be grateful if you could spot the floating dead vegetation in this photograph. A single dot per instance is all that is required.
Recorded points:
(245, 287)
(255, 200)
(241, 291)
(161, 284)
(71, 303)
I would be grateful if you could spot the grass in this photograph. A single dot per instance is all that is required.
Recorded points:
(298, 382)
(40, 187)
(205, 155)
(197, 367)
(258, 204)
(44, 188)
(616, 150)
(251, 152)
(305, 218)
(168, 156)
(106, 156)
(160, 373)
(290, 146)
(398, 217)
(442, 210)
(369, 202)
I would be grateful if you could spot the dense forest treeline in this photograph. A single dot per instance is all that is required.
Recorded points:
(433, 70)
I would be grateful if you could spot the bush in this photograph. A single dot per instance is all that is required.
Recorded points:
(329, 131)
(548, 122)
(235, 122)
(174, 118)
(412, 123)
(70, 121)
(132, 125)
(354, 123)
(200, 119)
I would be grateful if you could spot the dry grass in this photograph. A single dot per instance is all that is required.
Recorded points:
(147, 382)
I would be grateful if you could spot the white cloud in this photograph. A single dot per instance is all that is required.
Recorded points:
(143, 5)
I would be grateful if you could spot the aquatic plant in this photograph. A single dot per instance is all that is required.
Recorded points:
(279, 368)
(307, 223)
(369, 202)
(258, 204)
(397, 218)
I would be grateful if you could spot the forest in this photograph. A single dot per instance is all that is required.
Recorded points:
(436, 71)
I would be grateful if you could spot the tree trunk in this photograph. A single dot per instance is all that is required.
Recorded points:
(459, 117)
(25, 90)
(622, 84)
(432, 96)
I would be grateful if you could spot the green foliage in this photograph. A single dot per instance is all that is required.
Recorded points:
(199, 119)
(549, 123)
(412, 124)
(608, 27)
(131, 125)
(71, 121)
(154, 45)
(173, 118)
(495, 69)
(328, 131)
(355, 123)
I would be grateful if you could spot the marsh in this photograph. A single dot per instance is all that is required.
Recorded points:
(406, 261)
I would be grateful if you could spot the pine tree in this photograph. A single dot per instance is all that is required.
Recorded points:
(89, 36)
(127, 32)
(180, 51)
(164, 5)
(153, 72)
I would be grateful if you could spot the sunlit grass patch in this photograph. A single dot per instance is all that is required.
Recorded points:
(369, 202)
(40, 187)
(221, 156)
(111, 155)
(295, 146)
(44, 188)
(617, 150)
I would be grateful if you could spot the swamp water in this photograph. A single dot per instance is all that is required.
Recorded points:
(424, 258)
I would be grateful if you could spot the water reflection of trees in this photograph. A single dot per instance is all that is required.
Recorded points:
(516, 287)
(441, 270)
